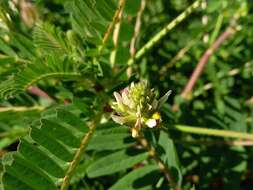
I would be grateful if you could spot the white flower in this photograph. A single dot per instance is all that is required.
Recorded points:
(137, 107)
(151, 123)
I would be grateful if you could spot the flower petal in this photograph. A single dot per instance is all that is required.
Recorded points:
(135, 133)
(151, 123)
(125, 99)
(118, 119)
(118, 97)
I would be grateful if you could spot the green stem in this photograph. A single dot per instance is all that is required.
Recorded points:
(212, 132)
(163, 167)
(21, 109)
(112, 24)
(217, 28)
(164, 31)
(77, 157)
(14, 133)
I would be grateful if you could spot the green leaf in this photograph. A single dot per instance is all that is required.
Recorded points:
(170, 157)
(49, 67)
(138, 178)
(44, 156)
(7, 59)
(49, 39)
(115, 162)
(114, 138)
(24, 44)
(132, 7)
(90, 18)
(4, 47)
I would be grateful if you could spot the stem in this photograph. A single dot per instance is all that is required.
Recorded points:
(114, 21)
(167, 173)
(77, 157)
(212, 132)
(208, 86)
(16, 132)
(164, 31)
(137, 28)
(37, 91)
(250, 101)
(204, 59)
(217, 28)
(216, 143)
(21, 109)
(16, 58)
(115, 40)
(177, 57)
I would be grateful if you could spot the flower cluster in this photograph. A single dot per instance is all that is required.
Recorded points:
(136, 106)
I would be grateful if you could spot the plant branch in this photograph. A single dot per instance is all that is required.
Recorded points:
(77, 157)
(204, 59)
(137, 28)
(250, 101)
(177, 57)
(216, 143)
(14, 132)
(21, 109)
(16, 58)
(232, 72)
(37, 91)
(112, 24)
(115, 39)
(48, 75)
(212, 132)
(167, 173)
(150, 44)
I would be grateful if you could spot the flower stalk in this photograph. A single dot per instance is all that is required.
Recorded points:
(167, 173)
(212, 132)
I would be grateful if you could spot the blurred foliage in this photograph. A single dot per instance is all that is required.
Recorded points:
(57, 46)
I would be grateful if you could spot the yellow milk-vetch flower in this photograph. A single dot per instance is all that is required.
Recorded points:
(137, 107)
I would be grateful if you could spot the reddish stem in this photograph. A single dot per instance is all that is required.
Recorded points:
(204, 59)
(37, 91)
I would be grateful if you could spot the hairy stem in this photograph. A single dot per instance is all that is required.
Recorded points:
(167, 173)
(164, 31)
(77, 157)
(212, 132)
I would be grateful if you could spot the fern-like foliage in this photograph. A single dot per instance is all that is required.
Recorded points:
(44, 157)
(90, 18)
(51, 66)
(49, 39)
